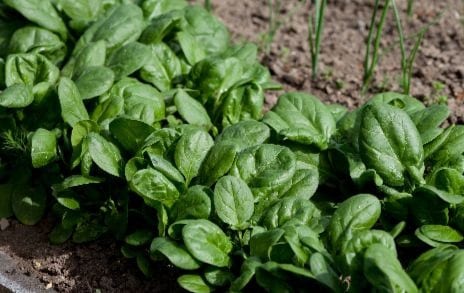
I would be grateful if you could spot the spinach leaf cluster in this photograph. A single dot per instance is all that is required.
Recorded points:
(139, 120)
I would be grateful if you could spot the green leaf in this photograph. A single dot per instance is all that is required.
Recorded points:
(154, 186)
(192, 49)
(261, 243)
(265, 167)
(383, 270)
(139, 237)
(30, 69)
(31, 39)
(105, 154)
(128, 59)
(164, 166)
(193, 283)
(94, 81)
(218, 161)
(245, 134)
(291, 210)
(191, 110)
(28, 204)
(16, 96)
(324, 273)
(437, 234)
(130, 133)
(162, 67)
(108, 109)
(176, 253)
(207, 242)
(247, 271)
(233, 201)
(357, 213)
(390, 144)
(94, 54)
(43, 148)
(302, 118)
(191, 149)
(72, 107)
(194, 204)
(69, 203)
(40, 12)
(428, 120)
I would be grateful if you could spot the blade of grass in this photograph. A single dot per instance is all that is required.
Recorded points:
(208, 5)
(315, 33)
(409, 9)
(371, 63)
(404, 76)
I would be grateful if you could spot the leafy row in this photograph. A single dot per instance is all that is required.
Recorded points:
(140, 121)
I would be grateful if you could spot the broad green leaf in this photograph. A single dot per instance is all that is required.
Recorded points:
(233, 201)
(191, 110)
(247, 271)
(191, 48)
(154, 186)
(191, 149)
(28, 204)
(155, 8)
(302, 118)
(94, 81)
(176, 253)
(31, 39)
(130, 133)
(383, 270)
(128, 59)
(111, 108)
(218, 277)
(291, 210)
(162, 67)
(207, 242)
(265, 167)
(438, 234)
(120, 26)
(390, 144)
(30, 69)
(218, 161)
(428, 120)
(164, 166)
(41, 12)
(94, 54)
(43, 148)
(245, 134)
(193, 283)
(105, 154)
(16, 96)
(139, 237)
(261, 243)
(69, 203)
(194, 204)
(72, 107)
(357, 213)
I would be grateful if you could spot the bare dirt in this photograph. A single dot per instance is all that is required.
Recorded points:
(438, 76)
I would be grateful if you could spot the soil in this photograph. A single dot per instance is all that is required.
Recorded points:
(438, 75)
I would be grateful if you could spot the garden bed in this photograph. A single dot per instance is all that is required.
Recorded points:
(439, 73)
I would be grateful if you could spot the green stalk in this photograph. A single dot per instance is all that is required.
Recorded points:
(410, 3)
(208, 5)
(412, 57)
(317, 29)
(370, 64)
(404, 62)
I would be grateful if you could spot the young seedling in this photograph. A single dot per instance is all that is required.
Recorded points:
(315, 29)
(371, 58)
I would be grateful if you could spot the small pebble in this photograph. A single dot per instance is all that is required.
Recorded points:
(49, 286)
(4, 223)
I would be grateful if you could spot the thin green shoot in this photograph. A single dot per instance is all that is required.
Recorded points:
(409, 9)
(208, 5)
(407, 62)
(315, 30)
(370, 62)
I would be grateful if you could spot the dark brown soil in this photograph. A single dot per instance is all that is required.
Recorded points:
(439, 71)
